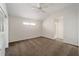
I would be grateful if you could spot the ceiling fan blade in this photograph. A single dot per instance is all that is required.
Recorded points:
(39, 7)
(42, 11)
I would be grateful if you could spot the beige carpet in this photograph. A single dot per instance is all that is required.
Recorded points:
(41, 47)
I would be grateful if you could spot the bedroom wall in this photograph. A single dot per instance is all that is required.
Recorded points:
(71, 25)
(69, 15)
(48, 27)
(19, 31)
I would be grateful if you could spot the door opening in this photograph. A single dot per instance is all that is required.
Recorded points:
(59, 28)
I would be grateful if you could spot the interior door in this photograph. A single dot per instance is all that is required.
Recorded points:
(2, 33)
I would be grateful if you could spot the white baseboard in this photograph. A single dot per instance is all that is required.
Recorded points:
(24, 39)
(75, 44)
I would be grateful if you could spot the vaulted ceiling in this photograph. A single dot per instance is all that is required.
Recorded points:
(32, 11)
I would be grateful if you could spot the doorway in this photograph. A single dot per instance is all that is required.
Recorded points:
(59, 28)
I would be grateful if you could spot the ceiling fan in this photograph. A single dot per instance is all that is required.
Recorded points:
(39, 6)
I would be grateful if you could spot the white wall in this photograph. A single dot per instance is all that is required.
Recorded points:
(18, 31)
(70, 24)
(48, 28)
